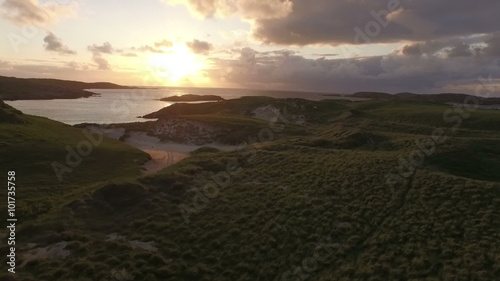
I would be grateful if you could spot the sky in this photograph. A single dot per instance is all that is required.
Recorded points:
(341, 46)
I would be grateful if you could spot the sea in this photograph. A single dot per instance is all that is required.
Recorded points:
(127, 106)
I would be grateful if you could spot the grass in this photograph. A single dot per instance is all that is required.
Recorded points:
(478, 160)
(320, 186)
(32, 146)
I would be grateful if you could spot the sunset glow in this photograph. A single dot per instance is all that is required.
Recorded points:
(276, 44)
(176, 64)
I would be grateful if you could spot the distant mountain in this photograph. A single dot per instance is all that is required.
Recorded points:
(12, 88)
(441, 98)
(373, 95)
(188, 98)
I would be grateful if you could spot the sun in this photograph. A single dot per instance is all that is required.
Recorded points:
(176, 64)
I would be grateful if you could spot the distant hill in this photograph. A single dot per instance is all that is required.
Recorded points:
(12, 88)
(373, 95)
(188, 98)
(441, 98)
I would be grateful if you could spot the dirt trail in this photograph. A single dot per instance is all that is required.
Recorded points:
(163, 154)
(160, 160)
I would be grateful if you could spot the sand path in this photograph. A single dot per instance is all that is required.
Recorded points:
(161, 160)
(163, 154)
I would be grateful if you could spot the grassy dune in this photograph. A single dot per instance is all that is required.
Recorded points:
(312, 203)
(30, 145)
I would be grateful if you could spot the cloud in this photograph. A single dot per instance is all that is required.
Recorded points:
(147, 48)
(77, 65)
(452, 47)
(97, 57)
(394, 72)
(412, 50)
(250, 9)
(460, 50)
(325, 55)
(200, 47)
(105, 48)
(299, 22)
(164, 43)
(493, 45)
(31, 12)
(102, 63)
(54, 44)
(129, 54)
(378, 21)
(67, 71)
(5, 64)
(158, 47)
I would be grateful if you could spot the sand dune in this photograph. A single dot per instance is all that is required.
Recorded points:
(163, 154)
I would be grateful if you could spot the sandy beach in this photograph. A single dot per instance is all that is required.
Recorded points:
(163, 154)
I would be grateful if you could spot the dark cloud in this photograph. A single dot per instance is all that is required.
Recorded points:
(54, 44)
(460, 50)
(336, 22)
(412, 50)
(325, 55)
(493, 45)
(25, 12)
(359, 21)
(481, 45)
(200, 47)
(391, 73)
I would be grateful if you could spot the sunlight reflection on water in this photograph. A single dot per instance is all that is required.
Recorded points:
(125, 106)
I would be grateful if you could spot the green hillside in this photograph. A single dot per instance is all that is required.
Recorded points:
(336, 198)
(32, 145)
(40, 89)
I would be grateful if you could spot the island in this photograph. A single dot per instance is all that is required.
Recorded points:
(191, 98)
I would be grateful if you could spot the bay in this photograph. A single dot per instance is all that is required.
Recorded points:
(127, 106)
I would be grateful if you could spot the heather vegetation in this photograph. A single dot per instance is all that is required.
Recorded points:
(314, 200)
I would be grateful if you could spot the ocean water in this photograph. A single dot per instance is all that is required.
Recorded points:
(125, 106)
